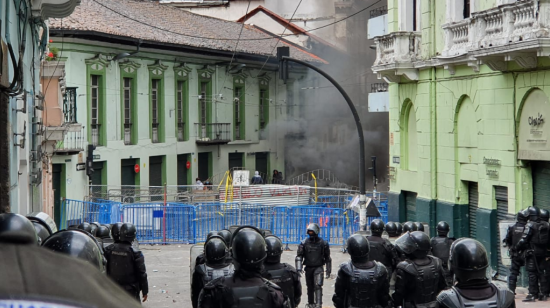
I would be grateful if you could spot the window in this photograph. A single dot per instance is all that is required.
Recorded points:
(264, 107)
(466, 10)
(155, 109)
(95, 105)
(237, 113)
(409, 15)
(414, 15)
(180, 91)
(458, 10)
(127, 97)
(203, 117)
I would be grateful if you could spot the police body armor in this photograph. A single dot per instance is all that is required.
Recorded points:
(283, 278)
(441, 247)
(362, 287)
(249, 297)
(121, 265)
(209, 273)
(451, 298)
(539, 239)
(427, 281)
(379, 251)
(313, 253)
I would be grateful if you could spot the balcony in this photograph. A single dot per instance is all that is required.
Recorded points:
(378, 22)
(516, 32)
(73, 141)
(395, 56)
(212, 133)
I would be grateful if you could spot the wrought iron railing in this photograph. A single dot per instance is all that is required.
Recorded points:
(383, 10)
(213, 132)
(379, 87)
(69, 105)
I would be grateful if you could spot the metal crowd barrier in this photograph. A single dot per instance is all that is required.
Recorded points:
(191, 223)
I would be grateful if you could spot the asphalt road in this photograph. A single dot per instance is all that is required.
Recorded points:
(170, 285)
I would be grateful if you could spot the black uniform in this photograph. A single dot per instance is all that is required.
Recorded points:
(468, 261)
(535, 242)
(513, 236)
(441, 246)
(315, 253)
(364, 285)
(418, 282)
(287, 278)
(204, 274)
(126, 266)
(382, 250)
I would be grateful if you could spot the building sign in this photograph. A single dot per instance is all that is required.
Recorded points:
(491, 161)
(97, 157)
(396, 159)
(533, 131)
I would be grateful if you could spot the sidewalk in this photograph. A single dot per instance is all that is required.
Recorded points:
(170, 285)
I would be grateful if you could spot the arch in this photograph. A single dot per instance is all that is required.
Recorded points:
(408, 134)
(521, 105)
(465, 124)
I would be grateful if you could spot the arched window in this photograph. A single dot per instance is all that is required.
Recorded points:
(409, 144)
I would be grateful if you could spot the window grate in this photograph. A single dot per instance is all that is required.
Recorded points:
(180, 111)
(263, 103)
(237, 115)
(69, 105)
(155, 109)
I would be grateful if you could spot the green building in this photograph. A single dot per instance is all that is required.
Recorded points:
(468, 85)
(166, 96)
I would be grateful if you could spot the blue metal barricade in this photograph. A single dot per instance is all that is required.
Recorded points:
(159, 224)
(74, 212)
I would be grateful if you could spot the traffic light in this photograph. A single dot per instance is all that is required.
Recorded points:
(90, 160)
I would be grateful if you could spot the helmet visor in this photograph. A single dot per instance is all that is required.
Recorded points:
(406, 243)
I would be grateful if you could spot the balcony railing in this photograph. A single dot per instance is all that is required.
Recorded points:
(395, 54)
(95, 134)
(155, 133)
(127, 134)
(181, 131)
(73, 141)
(69, 105)
(383, 10)
(378, 87)
(213, 133)
(504, 25)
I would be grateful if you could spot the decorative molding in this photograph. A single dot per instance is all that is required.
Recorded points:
(523, 59)
(129, 66)
(157, 68)
(264, 80)
(474, 64)
(239, 78)
(182, 70)
(206, 72)
(45, 9)
(97, 63)
(450, 68)
(495, 63)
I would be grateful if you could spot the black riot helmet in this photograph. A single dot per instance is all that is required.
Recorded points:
(409, 226)
(226, 235)
(249, 249)
(211, 234)
(15, 228)
(103, 232)
(274, 249)
(391, 228)
(85, 226)
(544, 215)
(399, 228)
(522, 216)
(443, 228)
(415, 245)
(77, 243)
(215, 250)
(313, 230)
(128, 232)
(419, 226)
(43, 224)
(468, 260)
(534, 213)
(358, 248)
(95, 226)
(377, 227)
(115, 231)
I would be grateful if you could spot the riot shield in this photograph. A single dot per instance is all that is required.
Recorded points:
(196, 250)
(502, 229)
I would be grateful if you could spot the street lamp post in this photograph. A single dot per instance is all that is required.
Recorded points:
(283, 54)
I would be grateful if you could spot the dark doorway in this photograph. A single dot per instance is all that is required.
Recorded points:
(410, 201)
(204, 165)
(57, 180)
(156, 178)
(473, 203)
(97, 176)
(262, 165)
(182, 169)
(235, 160)
(127, 172)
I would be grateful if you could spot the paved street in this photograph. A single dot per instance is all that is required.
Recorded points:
(169, 277)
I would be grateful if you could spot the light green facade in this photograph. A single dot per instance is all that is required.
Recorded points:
(220, 107)
(459, 123)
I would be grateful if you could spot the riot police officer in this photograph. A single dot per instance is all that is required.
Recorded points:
(513, 236)
(468, 263)
(534, 242)
(419, 278)
(361, 282)
(381, 249)
(50, 277)
(391, 229)
(85, 226)
(103, 235)
(409, 226)
(215, 266)
(245, 288)
(441, 247)
(200, 258)
(43, 224)
(126, 264)
(544, 216)
(419, 226)
(399, 228)
(79, 244)
(282, 274)
(314, 252)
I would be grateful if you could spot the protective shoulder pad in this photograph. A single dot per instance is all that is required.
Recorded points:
(407, 266)
(271, 285)
(303, 242)
(449, 299)
(346, 267)
(135, 249)
(380, 269)
(436, 260)
(289, 268)
(505, 297)
(216, 283)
